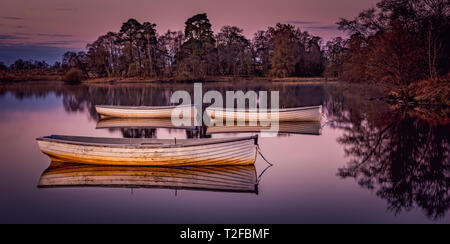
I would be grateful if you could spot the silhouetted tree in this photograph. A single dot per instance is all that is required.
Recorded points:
(198, 57)
(150, 47)
(400, 41)
(334, 54)
(234, 52)
(295, 53)
(130, 36)
(75, 60)
(287, 51)
(170, 45)
(263, 52)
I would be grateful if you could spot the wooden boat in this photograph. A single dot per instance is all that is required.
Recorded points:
(284, 127)
(214, 178)
(151, 152)
(140, 123)
(143, 111)
(289, 114)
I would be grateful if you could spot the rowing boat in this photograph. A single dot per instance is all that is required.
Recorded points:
(150, 152)
(289, 114)
(242, 179)
(144, 111)
(140, 123)
(284, 127)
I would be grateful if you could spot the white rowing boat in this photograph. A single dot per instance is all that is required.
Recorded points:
(289, 114)
(284, 127)
(241, 179)
(144, 111)
(150, 152)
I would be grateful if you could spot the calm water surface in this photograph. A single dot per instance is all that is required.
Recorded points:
(372, 163)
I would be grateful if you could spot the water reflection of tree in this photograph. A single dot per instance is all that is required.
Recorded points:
(200, 132)
(80, 98)
(401, 154)
(138, 133)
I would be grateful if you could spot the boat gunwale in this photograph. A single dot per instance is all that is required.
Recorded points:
(117, 107)
(143, 146)
(267, 131)
(268, 110)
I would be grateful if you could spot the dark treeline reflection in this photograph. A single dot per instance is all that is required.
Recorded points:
(152, 133)
(138, 133)
(402, 154)
(78, 98)
(81, 98)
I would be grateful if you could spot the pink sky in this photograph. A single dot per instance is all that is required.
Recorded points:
(73, 24)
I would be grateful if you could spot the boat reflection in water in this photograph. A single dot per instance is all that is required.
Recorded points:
(140, 123)
(239, 179)
(284, 127)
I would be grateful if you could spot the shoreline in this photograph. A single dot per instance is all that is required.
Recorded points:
(147, 80)
(390, 97)
(212, 79)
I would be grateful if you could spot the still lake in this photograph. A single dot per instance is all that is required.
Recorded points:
(370, 162)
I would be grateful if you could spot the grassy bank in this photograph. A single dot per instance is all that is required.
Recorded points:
(426, 92)
(11, 78)
(207, 79)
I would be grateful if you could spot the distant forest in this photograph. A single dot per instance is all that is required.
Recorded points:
(398, 42)
(137, 50)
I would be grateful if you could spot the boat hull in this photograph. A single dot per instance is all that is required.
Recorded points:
(143, 112)
(220, 178)
(152, 152)
(295, 114)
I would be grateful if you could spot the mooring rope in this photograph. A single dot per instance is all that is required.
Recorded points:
(262, 156)
(264, 171)
(267, 161)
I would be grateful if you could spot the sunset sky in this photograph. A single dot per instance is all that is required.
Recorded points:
(44, 29)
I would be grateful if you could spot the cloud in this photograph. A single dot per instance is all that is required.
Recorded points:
(40, 39)
(51, 35)
(313, 25)
(28, 34)
(301, 22)
(322, 27)
(54, 35)
(58, 43)
(11, 37)
(22, 34)
(10, 18)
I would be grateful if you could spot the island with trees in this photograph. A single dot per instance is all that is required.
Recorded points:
(402, 46)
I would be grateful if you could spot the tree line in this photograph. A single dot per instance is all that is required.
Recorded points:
(137, 50)
(398, 43)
